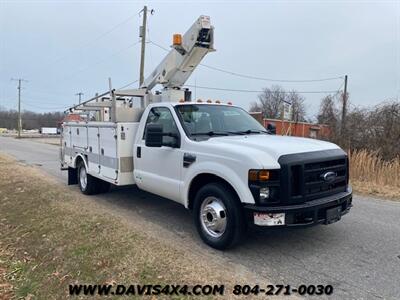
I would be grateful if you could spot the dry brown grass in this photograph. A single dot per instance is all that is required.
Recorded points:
(371, 174)
(49, 238)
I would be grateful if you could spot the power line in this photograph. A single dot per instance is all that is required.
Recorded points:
(258, 91)
(256, 77)
(128, 84)
(41, 107)
(101, 61)
(84, 45)
(270, 79)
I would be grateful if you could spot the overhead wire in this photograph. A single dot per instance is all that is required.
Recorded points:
(257, 91)
(84, 45)
(256, 77)
(128, 84)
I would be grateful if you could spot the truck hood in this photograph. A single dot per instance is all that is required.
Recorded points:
(275, 146)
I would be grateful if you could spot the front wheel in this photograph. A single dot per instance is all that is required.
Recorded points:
(218, 216)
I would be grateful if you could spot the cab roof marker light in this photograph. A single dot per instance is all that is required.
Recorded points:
(199, 101)
(209, 101)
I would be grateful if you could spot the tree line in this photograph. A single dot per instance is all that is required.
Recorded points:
(376, 128)
(30, 119)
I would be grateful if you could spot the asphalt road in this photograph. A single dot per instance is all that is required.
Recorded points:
(359, 256)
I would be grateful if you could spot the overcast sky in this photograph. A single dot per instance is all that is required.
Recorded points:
(65, 47)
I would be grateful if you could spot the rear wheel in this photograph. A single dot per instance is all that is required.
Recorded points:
(218, 216)
(103, 186)
(87, 183)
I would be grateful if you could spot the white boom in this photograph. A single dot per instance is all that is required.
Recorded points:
(174, 70)
(184, 56)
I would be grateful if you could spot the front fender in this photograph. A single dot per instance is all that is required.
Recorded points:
(222, 171)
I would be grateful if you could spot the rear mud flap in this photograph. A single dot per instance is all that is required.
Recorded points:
(72, 176)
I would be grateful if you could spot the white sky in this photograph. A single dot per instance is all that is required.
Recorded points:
(61, 47)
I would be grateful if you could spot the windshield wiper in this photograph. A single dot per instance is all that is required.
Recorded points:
(211, 133)
(249, 131)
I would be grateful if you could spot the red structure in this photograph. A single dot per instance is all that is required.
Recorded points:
(301, 129)
(72, 117)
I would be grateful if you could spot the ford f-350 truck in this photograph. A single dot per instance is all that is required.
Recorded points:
(213, 158)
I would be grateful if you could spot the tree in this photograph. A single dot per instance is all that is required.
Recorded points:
(328, 112)
(298, 106)
(270, 103)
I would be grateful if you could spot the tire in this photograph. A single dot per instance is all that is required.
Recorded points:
(87, 183)
(218, 216)
(103, 186)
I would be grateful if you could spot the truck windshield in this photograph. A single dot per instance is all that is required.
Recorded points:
(217, 120)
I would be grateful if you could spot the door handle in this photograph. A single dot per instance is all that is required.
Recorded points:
(139, 152)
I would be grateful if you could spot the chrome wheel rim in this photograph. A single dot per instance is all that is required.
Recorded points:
(83, 177)
(213, 216)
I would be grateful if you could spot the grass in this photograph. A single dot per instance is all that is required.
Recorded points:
(50, 238)
(371, 174)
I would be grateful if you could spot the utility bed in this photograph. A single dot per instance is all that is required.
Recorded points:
(106, 147)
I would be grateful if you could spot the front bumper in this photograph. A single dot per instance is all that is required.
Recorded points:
(306, 214)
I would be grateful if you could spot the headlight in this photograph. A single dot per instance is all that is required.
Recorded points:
(264, 193)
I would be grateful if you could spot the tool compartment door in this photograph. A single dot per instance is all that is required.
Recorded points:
(93, 150)
(108, 152)
(66, 156)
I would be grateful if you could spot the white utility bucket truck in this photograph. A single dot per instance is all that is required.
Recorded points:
(213, 158)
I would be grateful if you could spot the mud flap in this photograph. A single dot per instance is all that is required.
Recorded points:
(72, 176)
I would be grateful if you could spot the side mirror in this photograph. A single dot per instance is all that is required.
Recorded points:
(271, 128)
(154, 135)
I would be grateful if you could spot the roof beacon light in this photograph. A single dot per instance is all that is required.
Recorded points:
(177, 39)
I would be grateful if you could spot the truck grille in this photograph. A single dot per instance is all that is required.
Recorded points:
(302, 174)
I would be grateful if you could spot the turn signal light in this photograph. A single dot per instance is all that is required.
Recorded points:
(259, 175)
(263, 175)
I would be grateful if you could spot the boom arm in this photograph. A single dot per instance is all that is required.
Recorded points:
(184, 56)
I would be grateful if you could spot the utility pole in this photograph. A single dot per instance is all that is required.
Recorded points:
(80, 94)
(344, 108)
(142, 34)
(20, 80)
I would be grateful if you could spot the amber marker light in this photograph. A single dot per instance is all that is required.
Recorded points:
(259, 175)
(177, 39)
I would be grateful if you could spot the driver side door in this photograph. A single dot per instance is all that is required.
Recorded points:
(158, 169)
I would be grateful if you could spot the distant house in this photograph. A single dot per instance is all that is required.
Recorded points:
(72, 117)
(301, 129)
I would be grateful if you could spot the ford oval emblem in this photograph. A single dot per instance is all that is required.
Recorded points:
(329, 176)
